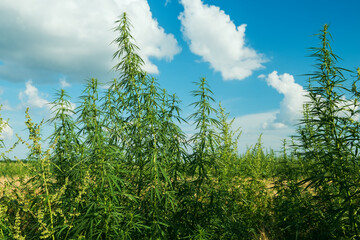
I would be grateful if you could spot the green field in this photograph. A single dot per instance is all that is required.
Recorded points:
(120, 167)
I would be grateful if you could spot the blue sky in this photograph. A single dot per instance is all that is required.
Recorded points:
(253, 54)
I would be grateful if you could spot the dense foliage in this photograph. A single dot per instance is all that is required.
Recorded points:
(120, 167)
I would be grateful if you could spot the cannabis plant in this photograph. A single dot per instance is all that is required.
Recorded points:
(329, 143)
(65, 156)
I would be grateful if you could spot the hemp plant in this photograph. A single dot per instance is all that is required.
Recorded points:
(102, 211)
(330, 143)
(205, 140)
(138, 119)
(202, 164)
(228, 143)
(65, 155)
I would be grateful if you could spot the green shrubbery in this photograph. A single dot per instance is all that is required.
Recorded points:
(120, 167)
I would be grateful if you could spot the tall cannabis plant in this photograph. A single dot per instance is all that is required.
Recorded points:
(205, 140)
(66, 151)
(197, 196)
(228, 144)
(150, 141)
(329, 137)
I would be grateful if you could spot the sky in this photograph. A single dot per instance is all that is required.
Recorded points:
(254, 54)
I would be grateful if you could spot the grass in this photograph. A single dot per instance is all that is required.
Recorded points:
(12, 168)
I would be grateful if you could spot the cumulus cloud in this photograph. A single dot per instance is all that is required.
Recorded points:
(45, 39)
(349, 106)
(30, 97)
(292, 104)
(213, 36)
(291, 107)
(6, 106)
(64, 83)
(150, 37)
(252, 126)
(7, 131)
(4, 103)
(261, 76)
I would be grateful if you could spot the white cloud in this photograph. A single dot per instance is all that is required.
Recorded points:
(261, 76)
(213, 36)
(72, 107)
(7, 131)
(30, 97)
(64, 83)
(4, 103)
(252, 126)
(349, 106)
(6, 106)
(291, 107)
(292, 104)
(150, 37)
(72, 38)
